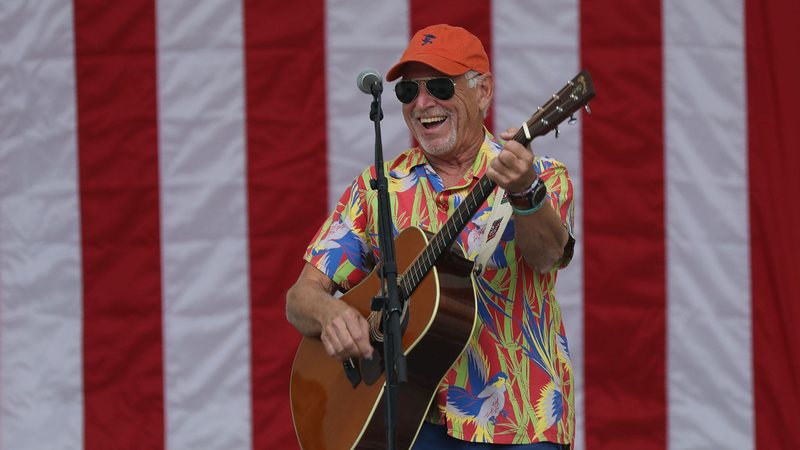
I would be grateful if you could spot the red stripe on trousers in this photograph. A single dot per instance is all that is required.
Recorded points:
(474, 15)
(115, 46)
(774, 140)
(287, 188)
(625, 268)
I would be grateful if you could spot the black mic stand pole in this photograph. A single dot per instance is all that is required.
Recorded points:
(389, 298)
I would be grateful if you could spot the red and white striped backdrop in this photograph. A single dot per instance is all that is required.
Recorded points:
(164, 162)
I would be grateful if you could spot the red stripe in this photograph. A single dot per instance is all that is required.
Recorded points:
(774, 139)
(475, 16)
(624, 242)
(115, 45)
(287, 188)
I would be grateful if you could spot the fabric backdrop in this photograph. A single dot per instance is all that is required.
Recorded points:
(163, 164)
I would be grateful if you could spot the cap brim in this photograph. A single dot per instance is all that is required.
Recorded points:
(437, 62)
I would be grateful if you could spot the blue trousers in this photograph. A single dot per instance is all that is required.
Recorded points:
(435, 437)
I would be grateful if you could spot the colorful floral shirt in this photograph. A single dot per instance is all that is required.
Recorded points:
(514, 382)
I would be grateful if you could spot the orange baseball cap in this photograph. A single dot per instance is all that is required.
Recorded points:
(450, 50)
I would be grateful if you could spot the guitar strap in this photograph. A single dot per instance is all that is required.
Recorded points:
(493, 231)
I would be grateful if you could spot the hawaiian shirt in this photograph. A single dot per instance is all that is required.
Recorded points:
(514, 383)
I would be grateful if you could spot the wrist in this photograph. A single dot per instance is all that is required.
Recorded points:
(525, 192)
(530, 200)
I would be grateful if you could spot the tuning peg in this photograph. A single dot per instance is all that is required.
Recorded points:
(557, 132)
(572, 119)
(588, 110)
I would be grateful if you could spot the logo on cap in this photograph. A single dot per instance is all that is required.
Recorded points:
(428, 39)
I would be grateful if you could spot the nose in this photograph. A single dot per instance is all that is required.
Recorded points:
(424, 98)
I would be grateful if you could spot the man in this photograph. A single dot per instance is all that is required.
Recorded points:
(513, 384)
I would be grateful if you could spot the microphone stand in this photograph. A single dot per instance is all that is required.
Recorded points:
(388, 300)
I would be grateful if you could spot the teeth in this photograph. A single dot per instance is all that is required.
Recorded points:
(431, 119)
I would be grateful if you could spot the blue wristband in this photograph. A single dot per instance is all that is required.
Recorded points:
(533, 209)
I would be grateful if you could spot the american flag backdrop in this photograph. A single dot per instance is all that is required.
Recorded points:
(163, 164)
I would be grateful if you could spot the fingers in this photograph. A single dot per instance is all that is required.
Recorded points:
(515, 157)
(359, 332)
(508, 133)
(346, 335)
(512, 169)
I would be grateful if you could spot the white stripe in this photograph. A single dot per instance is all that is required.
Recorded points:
(709, 377)
(41, 404)
(360, 34)
(204, 228)
(535, 52)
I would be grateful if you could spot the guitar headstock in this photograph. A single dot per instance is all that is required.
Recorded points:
(562, 105)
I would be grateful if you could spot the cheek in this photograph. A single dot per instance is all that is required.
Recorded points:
(467, 108)
(407, 114)
(466, 116)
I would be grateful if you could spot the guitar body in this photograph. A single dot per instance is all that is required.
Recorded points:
(329, 414)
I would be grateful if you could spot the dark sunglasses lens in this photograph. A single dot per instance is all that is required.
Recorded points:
(406, 91)
(441, 88)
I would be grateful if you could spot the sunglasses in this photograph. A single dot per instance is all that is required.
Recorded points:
(442, 88)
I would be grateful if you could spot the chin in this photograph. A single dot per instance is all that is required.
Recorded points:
(435, 148)
(438, 146)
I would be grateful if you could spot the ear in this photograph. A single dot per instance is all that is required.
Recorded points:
(486, 90)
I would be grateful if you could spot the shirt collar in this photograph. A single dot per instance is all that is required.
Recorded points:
(413, 157)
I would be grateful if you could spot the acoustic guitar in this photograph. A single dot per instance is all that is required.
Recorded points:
(334, 408)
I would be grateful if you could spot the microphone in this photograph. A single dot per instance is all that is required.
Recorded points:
(369, 80)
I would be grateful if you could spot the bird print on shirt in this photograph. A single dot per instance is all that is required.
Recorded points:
(483, 399)
(545, 350)
(341, 242)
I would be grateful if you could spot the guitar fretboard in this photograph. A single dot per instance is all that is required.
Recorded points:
(446, 236)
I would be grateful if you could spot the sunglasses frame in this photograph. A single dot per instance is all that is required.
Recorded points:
(424, 81)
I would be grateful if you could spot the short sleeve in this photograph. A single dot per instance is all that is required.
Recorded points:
(340, 249)
(555, 176)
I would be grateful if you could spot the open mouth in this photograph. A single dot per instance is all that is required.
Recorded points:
(432, 122)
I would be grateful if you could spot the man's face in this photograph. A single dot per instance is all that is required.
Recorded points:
(443, 126)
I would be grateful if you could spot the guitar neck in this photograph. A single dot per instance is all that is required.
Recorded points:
(442, 241)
